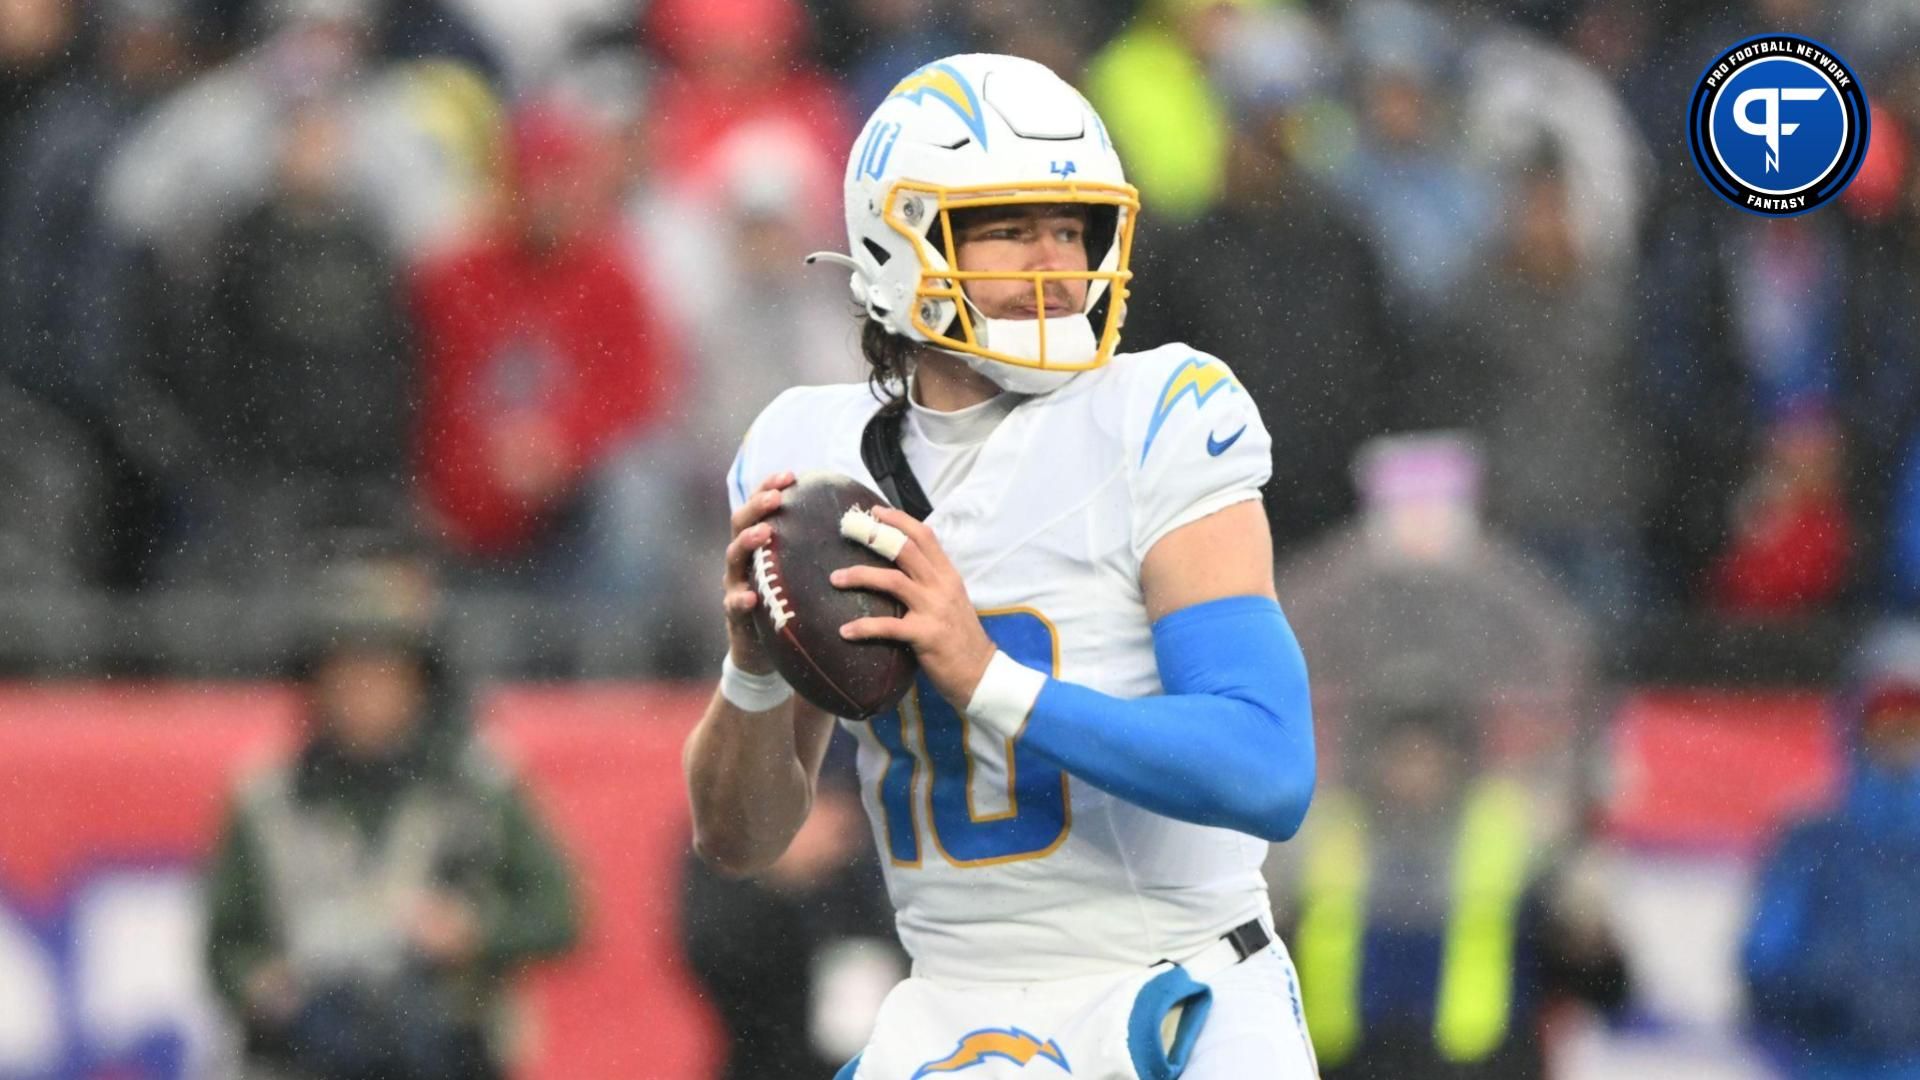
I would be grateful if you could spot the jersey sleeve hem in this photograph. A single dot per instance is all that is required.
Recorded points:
(1205, 507)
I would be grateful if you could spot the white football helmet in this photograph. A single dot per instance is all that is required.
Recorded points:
(984, 130)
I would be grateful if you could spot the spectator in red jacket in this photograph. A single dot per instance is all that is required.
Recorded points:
(541, 357)
(1789, 553)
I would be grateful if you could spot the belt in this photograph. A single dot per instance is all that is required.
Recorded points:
(1233, 946)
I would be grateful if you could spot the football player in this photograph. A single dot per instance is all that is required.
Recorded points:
(1112, 719)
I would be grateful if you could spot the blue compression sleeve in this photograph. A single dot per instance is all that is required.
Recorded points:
(1230, 742)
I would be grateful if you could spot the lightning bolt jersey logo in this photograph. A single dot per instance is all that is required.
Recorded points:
(944, 83)
(1198, 377)
(976, 1047)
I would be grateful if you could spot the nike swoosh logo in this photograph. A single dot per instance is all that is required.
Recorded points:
(1216, 447)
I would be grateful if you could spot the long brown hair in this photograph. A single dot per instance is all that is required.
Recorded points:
(887, 356)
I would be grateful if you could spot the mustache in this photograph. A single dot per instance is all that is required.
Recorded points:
(1057, 296)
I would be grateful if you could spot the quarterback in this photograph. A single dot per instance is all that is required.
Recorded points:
(1111, 720)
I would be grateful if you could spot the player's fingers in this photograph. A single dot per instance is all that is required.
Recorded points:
(740, 548)
(776, 481)
(764, 500)
(915, 561)
(877, 626)
(739, 602)
(757, 506)
(902, 520)
(880, 579)
(922, 553)
(740, 551)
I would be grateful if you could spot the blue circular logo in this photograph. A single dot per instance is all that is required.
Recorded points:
(1778, 125)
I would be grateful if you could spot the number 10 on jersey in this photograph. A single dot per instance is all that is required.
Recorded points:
(930, 767)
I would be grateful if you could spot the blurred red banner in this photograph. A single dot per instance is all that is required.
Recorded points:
(1719, 769)
(131, 781)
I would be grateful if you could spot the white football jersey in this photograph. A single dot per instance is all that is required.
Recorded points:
(1001, 866)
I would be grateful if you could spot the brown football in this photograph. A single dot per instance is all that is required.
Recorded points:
(800, 611)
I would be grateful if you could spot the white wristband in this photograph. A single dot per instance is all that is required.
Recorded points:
(750, 692)
(1005, 696)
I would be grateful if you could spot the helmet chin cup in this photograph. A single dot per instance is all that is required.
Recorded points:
(1069, 341)
(1019, 380)
(1066, 341)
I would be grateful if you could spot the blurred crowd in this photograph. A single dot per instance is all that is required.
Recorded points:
(511, 278)
(504, 281)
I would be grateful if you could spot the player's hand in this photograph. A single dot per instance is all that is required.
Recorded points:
(940, 622)
(749, 532)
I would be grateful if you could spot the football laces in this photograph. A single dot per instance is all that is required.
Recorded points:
(766, 580)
